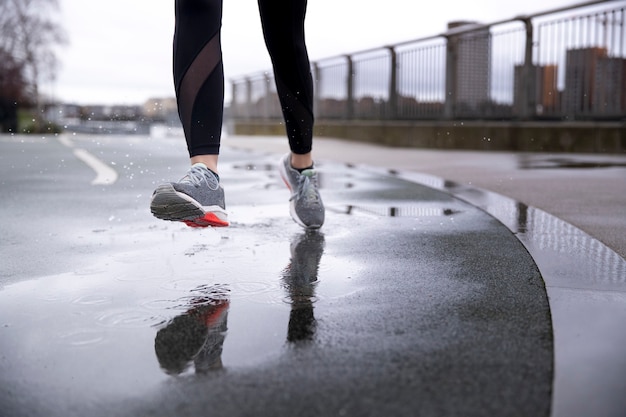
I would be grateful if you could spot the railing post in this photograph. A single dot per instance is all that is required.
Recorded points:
(451, 68)
(393, 84)
(266, 96)
(316, 88)
(248, 112)
(529, 76)
(350, 89)
(234, 107)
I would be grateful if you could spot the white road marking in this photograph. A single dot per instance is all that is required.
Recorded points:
(105, 175)
(65, 141)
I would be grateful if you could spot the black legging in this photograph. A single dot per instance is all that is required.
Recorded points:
(199, 74)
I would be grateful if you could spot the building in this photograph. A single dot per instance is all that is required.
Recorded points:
(609, 89)
(160, 109)
(469, 66)
(542, 82)
(580, 80)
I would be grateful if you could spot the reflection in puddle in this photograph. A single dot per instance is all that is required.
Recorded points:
(541, 162)
(178, 322)
(399, 211)
(535, 227)
(196, 337)
(580, 257)
(300, 280)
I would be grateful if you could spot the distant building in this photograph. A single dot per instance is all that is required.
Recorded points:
(580, 80)
(111, 112)
(159, 108)
(469, 58)
(609, 89)
(57, 113)
(125, 112)
(542, 82)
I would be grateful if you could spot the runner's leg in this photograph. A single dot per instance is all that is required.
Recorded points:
(283, 29)
(199, 74)
(198, 198)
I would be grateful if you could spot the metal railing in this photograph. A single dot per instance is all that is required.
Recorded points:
(563, 64)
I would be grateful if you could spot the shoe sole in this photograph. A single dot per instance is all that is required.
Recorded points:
(169, 204)
(292, 205)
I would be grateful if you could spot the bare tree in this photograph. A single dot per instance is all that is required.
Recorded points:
(13, 87)
(28, 35)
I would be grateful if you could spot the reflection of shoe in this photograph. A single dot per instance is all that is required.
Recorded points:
(300, 279)
(306, 253)
(306, 204)
(210, 356)
(195, 336)
(197, 199)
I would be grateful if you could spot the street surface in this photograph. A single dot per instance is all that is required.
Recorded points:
(409, 301)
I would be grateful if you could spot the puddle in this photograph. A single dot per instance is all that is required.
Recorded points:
(592, 162)
(579, 258)
(402, 210)
(164, 300)
(201, 303)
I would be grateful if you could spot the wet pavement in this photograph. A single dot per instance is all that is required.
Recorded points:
(418, 296)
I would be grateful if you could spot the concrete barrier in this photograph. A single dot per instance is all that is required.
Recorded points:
(581, 137)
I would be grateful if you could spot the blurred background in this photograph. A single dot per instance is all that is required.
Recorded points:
(105, 67)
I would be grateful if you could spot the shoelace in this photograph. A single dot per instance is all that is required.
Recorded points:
(307, 182)
(196, 175)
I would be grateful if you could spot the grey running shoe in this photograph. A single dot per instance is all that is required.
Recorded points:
(197, 199)
(306, 206)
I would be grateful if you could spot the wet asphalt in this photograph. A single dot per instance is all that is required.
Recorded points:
(409, 301)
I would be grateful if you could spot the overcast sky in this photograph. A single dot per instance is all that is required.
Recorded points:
(119, 51)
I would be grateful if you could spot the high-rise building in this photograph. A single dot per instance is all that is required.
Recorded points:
(580, 79)
(542, 82)
(609, 92)
(469, 58)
